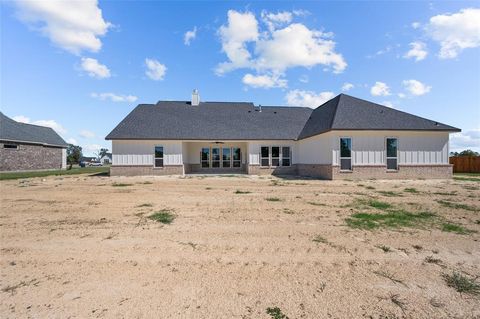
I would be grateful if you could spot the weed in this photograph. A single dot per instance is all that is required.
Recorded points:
(390, 194)
(467, 179)
(401, 304)
(145, 205)
(457, 205)
(378, 204)
(433, 260)
(208, 188)
(276, 313)
(320, 239)
(411, 190)
(316, 204)
(146, 183)
(417, 247)
(370, 187)
(241, 192)
(454, 193)
(273, 199)
(454, 228)
(385, 249)
(121, 184)
(164, 216)
(462, 283)
(288, 211)
(387, 275)
(391, 219)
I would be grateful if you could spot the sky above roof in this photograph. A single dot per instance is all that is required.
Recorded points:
(81, 67)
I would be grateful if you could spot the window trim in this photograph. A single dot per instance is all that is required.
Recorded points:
(10, 148)
(389, 157)
(230, 160)
(208, 157)
(268, 157)
(232, 157)
(289, 156)
(219, 157)
(340, 153)
(279, 156)
(155, 158)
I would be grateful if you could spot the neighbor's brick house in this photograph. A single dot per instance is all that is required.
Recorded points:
(27, 147)
(345, 137)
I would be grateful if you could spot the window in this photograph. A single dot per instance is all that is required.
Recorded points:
(346, 154)
(275, 156)
(226, 157)
(286, 156)
(264, 156)
(10, 146)
(205, 157)
(237, 157)
(158, 156)
(215, 157)
(392, 157)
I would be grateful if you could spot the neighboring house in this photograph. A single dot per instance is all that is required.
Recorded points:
(27, 147)
(106, 159)
(345, 137)
(89, 159)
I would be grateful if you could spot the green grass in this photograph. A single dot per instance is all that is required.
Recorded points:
(467, 174)
(433, 260)
(390, 194)
(164, 216)
(273, 199)
(241, 192)
(462, 283)
(316, 204)
(457, 205)
(276, 313)
(390, 219)
(288, 211)
(411, 190)
(73, 171)
(385, 249)
(378, 204)
(453, 193)
(145, 205)
(320, 239)
(466, 179)
(121, 184)
(370, 187)
(454, 228)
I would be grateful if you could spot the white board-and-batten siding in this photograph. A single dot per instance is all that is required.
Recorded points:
(141, 152)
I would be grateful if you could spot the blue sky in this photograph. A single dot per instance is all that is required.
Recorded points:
(80, 67)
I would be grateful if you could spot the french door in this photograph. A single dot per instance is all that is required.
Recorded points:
(220, 157)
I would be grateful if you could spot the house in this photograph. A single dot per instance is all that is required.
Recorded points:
(106, 159)
(27, 147)
(89, 159)
(344, 138)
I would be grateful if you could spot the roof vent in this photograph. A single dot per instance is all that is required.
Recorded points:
(195, 98)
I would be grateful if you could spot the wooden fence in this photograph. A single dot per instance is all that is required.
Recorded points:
(465, 164)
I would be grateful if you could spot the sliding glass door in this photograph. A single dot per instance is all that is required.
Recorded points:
(225, 157)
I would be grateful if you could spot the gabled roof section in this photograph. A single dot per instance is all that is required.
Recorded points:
(14, 131)
(178, 120)
(345, 112)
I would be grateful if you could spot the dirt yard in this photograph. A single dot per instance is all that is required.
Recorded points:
(239, 247)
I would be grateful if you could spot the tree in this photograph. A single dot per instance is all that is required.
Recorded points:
(465, 153)
(102, 152)
(74, 153)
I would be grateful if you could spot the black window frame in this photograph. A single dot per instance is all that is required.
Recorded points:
(345, 161)
(158, 159)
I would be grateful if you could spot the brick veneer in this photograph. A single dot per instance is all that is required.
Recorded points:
(196, 168)
(30, 157)
(145, 170)
(323, 171)
(403, 172)
(283, 170)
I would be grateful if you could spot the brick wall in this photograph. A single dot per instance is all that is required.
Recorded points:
(145, 170)
(283, 170)
(323, 171)
(403, 172)
(29, 157)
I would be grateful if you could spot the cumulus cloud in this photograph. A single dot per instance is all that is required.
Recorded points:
(380, 89)
(48, 123)
(74, 26)
(87, 134)
(264, 81)
(347, 86)
(114, 97)
(72, 141)
(283, 45)
(465, 140)
(388, 103)
(94, 68)
(418, 51)
(455, 32)
(155, 70)
(415, 87)
(416, 25)
(189, 36)
(307, 98)
(304, 78)
(92, 148)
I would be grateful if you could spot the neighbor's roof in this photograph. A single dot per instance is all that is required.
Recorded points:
(13, 131)
(178, 120)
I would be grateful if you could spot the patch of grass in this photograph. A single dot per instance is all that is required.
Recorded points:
(457, 205)
(288, 211)
(455, 228)
(385, 249)
(466, 179)
(454, 193)
(417, 247)
(387, 275)
(208, 188)
(241, 192)
(164, 216)
(378, 204)
(146, 183)
(390, 194)
(390, 219)
(370, 187)
(411, 190)
(273, 199)
(121, 184)
(462, 283)
(316, 204)
(276, 313)
(145, 205)
(433, 260)
(320, 239)
(73, 171)
(471, 188)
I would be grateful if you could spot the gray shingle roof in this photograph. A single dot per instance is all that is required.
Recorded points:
(11, 130)
(178, 120)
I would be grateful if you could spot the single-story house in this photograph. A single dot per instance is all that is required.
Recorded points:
(344, 138)
(89, 159)
(106, 159)
(28, 147)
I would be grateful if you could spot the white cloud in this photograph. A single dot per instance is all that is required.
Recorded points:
(94, 68)
(465, 140)
(388, 103)
(21, 119)
(401, 95)
(114, 97)
(347, 86)
(455, 32)
(87, 134)
(72, 141)
(304, 78)
(92, 148)
(155, 70)
(48, 123)
(307, 98)
(415, 25)
(418, 50)
(380, 89)
(264, 81)
(415, 87)
(71, 25)
(189, 36)
(276, 49)
(275, 20)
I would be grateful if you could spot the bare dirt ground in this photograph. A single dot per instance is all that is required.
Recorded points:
(83, 247)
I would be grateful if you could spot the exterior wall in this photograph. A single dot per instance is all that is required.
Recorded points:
(191, 150)
(404, 172)
(322, 171)
(30, 157)
(145, 170)
(316, 149)
(141, 152)
(254, 150)
(281, 170)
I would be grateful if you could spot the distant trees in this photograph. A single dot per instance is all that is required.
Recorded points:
(74, 153)
(102, 152)
(465, 153)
